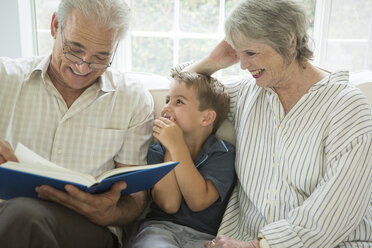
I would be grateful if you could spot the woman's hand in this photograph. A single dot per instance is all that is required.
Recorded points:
(227, 242)
(224, 55)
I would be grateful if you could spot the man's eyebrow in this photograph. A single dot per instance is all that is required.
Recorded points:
(83, 47)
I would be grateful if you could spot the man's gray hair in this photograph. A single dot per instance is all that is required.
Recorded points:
(273, 22)
(113, 14)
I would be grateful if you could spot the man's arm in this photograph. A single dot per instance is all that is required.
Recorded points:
(109, 208)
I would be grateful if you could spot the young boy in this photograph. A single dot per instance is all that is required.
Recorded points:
(189, 202)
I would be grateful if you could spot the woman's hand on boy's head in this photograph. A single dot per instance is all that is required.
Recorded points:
(167, 132)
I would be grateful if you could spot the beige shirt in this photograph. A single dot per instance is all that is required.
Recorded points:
(111, 121)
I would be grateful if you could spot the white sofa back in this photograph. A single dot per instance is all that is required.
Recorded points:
(158, 87)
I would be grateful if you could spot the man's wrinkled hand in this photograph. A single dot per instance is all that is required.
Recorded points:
(101, 209)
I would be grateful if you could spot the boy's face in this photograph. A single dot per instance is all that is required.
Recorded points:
(182, 107)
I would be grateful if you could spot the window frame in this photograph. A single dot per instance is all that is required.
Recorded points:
(322, 15)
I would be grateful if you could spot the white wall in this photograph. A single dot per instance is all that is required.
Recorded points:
(10, 39)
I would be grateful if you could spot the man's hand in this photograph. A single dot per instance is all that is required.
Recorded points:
(227, 242)
(6, 152)
(102, 209)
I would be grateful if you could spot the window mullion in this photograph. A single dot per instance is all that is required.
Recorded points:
(176, 32)
(321, 30)
(368, 60)
(28, 28)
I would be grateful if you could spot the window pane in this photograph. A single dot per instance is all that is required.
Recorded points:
(229, 4)
(149, 15)
(194, 49)
(45, 43)
(350, 19)
(310, 11)
(199, 16)
(44, 12)
(153, 55)
(346, 55)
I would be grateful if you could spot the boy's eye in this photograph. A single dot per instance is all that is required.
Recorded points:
(167, 100)
(250, 53)
(179, 101)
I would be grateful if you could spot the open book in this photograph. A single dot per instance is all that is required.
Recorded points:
(20, 179)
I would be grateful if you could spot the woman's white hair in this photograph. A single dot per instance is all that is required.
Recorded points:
(113, 14)
(273, 22)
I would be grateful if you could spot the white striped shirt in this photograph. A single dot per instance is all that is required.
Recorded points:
(304, 178)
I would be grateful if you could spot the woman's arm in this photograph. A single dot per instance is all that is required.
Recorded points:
(335, 208)
(222, 56)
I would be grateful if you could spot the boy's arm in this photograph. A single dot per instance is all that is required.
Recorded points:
(198, 193)
(166, 192)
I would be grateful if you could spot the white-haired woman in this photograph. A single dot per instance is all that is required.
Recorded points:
(304, 147)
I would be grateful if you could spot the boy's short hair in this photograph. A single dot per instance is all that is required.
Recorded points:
(211, 94)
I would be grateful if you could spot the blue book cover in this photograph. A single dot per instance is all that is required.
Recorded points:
(19, 179)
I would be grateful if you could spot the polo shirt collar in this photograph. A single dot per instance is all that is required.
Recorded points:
(211, 145)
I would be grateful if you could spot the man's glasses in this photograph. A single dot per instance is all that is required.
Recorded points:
(79, 61)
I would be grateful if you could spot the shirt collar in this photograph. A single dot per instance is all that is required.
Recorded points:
(103, 82)
(41, 67)
(342, 77)
(211, 145)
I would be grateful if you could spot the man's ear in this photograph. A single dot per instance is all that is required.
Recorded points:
(209, 117)
(54, 26)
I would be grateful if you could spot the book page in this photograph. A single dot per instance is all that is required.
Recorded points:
(122, 170)
(33, 163)
(27, 156)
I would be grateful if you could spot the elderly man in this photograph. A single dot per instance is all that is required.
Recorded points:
(72, 109)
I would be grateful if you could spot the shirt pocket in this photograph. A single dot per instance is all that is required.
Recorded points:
(99, 147)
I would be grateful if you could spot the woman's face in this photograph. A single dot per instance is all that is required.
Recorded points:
(267, 66)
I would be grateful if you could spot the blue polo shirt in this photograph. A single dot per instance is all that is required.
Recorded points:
(214, 162)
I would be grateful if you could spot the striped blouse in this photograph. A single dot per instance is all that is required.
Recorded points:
(304, 178)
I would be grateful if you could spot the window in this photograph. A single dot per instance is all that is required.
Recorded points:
(344, 34)
(175, 31)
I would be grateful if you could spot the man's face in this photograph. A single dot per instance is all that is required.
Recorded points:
(84, 39)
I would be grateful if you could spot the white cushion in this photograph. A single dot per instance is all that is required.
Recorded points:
(159, 86)
(363, 80)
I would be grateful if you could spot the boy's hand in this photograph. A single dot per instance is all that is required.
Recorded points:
(167, 132)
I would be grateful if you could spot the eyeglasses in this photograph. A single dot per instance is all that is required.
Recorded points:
(79, 61)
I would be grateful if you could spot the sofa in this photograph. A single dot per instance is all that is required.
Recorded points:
(158, 87)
